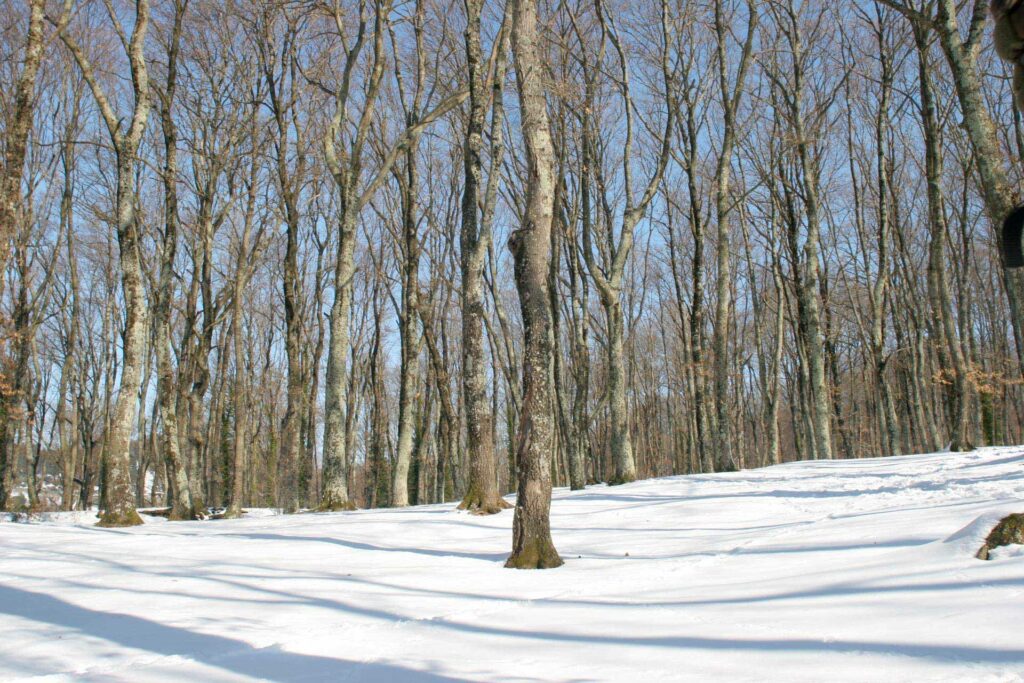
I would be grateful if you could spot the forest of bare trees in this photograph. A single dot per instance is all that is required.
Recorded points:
(326, 254)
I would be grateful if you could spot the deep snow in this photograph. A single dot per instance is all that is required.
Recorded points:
(854, 570)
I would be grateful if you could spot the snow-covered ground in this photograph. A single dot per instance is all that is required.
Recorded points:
(857, 570)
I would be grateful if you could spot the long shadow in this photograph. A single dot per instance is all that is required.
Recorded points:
(244, 659)
(357, 545)
(1017, 457)
(830, 590)
(229, 654)
(287, 597)
(781, 550)
(775, 493)
(661, 499)
(682, 532)
(984, 480)
(277, 665)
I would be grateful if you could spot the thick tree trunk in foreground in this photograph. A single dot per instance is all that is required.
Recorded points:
(532, 547)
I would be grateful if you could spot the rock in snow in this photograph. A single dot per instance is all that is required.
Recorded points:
(829, 570)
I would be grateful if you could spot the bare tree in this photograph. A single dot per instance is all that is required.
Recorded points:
(118, 498)
(532, 547)
(482, 494)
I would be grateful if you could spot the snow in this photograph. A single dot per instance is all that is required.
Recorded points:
(853, 570)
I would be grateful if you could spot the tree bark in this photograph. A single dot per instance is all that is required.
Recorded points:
(532, 547)
(182, 507)
(482, 496)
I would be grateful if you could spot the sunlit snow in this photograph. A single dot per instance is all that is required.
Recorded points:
(854, 570)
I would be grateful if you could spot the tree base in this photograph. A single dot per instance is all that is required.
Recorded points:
(478, 504)
(618, 480)
(113, 520)
(183, 515)
(534, 555)
(1009, 531)
(336, 506)
(231, 514)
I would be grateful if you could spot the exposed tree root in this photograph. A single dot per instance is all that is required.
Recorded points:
(478, 504)
(336, 506)
(534, 555)
(122, 519)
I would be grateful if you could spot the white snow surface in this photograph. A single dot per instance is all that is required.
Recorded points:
(853, 570)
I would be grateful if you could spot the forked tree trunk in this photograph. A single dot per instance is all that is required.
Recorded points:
(346, 170)
(609, 279)
(118, 508)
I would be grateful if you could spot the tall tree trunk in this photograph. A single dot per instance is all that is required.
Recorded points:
(952, 363)
(166, 380)
(621, 445)
(409, 333)
(243, 269)
(15, 147)
(288, 493)
(335, 494)
(482, 496)
(118, 508)
(879, 290)
(16, 144)
(532, 547)
(730, 95)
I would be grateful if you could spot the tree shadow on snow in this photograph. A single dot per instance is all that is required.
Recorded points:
(236, 656)
(278, 665)
(358, 545)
